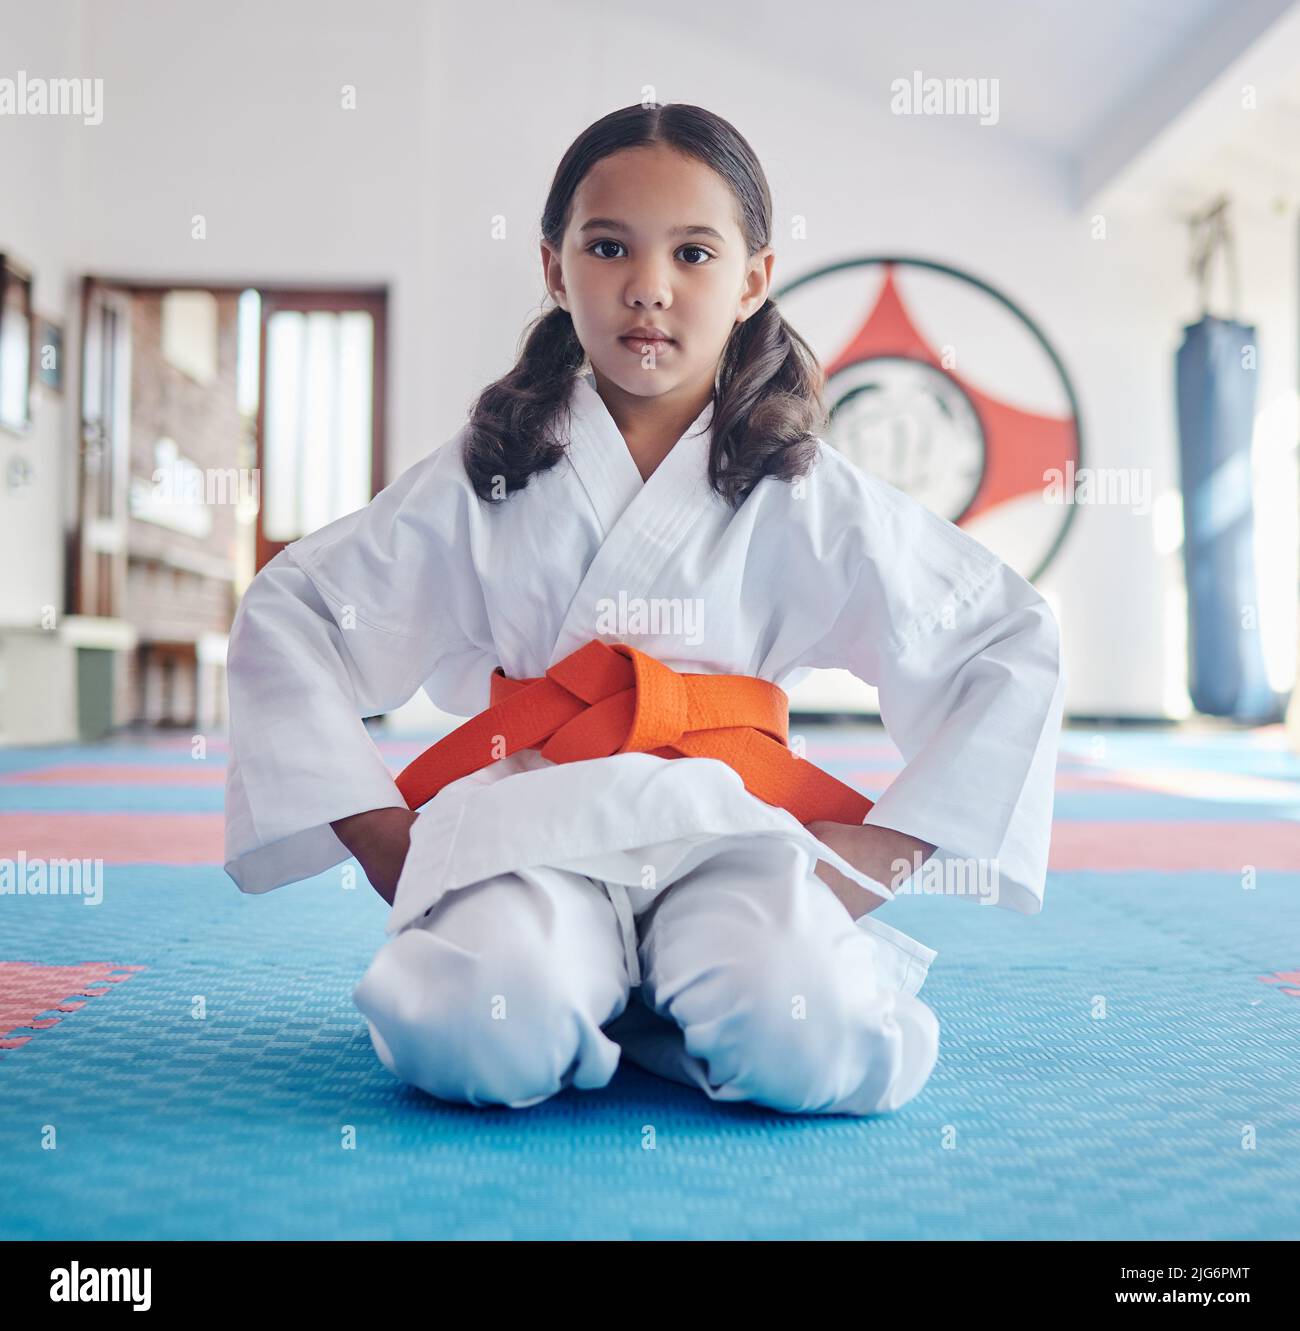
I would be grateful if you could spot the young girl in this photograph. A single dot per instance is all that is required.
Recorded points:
(634, 545)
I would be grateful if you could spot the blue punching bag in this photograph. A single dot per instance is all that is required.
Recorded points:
(1216, 413)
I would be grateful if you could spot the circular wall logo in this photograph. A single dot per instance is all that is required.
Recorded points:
(940, 385)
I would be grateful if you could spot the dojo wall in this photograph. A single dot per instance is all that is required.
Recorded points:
(242, 123)
(40, 201)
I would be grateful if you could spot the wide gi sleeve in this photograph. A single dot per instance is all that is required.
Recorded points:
(344, 624)
(966, 657)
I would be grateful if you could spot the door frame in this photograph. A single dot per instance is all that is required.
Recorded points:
(97, 549)
(319, 295)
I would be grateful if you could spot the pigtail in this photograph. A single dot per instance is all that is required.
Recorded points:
(768, 406)
(511, 430)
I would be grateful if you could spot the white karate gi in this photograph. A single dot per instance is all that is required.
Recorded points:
(429, 587)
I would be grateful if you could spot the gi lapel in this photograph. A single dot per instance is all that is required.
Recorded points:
(600, 454)
(643, 521)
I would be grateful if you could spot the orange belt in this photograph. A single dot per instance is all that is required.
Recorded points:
(604, 699)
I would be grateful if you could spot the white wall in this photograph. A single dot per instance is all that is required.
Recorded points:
(463, 113)
(40, 225)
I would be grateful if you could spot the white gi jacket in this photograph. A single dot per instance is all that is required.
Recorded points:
(427, 586)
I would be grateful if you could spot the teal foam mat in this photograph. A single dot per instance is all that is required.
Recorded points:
(1043, 1119)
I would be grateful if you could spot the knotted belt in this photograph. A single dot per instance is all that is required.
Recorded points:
(610, 698)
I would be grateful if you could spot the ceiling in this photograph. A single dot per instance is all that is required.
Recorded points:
(1112, 87)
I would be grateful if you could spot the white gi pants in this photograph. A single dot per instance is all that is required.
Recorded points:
(754, 984)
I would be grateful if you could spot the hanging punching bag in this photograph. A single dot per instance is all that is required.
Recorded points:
(1216, 411)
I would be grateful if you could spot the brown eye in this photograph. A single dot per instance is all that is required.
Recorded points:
(699, 249)
(599, 243)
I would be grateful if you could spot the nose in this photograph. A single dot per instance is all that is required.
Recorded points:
(648, 286)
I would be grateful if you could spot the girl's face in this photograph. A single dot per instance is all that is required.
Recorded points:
(653, 240)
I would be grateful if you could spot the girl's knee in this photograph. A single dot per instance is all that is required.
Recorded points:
(798, 1032)
(880, 1054)
(498, 1027)
(920, 1051)
(868, 1061)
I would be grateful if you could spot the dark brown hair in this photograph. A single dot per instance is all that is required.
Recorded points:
(767, 404)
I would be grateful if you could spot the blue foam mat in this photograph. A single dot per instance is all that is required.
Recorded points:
(1043, 1119)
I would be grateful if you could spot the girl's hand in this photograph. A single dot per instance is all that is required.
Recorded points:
(872, 849)
(379, 838)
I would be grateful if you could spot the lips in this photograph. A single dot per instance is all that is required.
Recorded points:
(638, 341)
